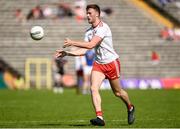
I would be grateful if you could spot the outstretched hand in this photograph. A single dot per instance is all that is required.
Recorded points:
(67, 43)
(60, 53)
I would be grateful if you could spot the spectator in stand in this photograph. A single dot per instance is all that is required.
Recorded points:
(164, 34)
(68, 10)
(48, 12)
(35, 13)
(80, 10)
(170, 34)
(167, 33)
(165, 2)
(64, 10)
(20, 16)
(155, 58)
(107, 11)
(177, 34)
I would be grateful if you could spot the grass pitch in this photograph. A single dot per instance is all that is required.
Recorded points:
(44, 109)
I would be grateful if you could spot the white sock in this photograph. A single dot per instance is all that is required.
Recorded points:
(100, 117)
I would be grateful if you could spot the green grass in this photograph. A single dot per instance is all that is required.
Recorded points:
(44, 109)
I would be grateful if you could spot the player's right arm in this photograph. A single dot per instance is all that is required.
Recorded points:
(62, 53)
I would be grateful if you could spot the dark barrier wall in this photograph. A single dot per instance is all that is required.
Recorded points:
(2, 83)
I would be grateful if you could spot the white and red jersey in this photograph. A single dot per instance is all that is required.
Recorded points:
(104, 51)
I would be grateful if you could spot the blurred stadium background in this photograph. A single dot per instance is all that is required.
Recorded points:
(147, 60)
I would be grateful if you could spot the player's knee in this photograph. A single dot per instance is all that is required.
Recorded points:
(117, 93)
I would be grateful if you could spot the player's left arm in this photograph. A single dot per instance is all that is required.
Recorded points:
(88, 45)
(61, 53)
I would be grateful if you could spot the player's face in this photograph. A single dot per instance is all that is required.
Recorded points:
(91, 15)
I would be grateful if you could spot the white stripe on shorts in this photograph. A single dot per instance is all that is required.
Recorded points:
(117, 68)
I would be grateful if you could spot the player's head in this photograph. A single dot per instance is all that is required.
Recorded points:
(93, 11)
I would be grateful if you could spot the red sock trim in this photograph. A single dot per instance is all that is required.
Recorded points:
(130, 106)
(99, 113)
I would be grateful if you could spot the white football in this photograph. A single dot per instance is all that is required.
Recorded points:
(37, 32)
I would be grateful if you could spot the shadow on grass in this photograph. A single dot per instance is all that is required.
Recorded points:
(51, 124)
(63, 125)
(80, 125)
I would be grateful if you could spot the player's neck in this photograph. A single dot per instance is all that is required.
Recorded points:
(95, 24)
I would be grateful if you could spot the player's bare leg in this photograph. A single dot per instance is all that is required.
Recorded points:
(119, 92)
(96, 79)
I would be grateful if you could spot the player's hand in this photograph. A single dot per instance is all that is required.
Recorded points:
(60, 53)
(67, 42)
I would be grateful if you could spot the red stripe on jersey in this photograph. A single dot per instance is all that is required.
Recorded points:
(100, 24)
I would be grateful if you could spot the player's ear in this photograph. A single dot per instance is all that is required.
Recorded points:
(97, 15)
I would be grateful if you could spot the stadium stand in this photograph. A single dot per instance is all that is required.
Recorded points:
(135, 35)
(171, 8)
(167, 8)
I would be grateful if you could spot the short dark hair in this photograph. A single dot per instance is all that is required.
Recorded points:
(95, 7)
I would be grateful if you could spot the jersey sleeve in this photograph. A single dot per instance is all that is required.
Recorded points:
(101, 32)
(86, 37)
